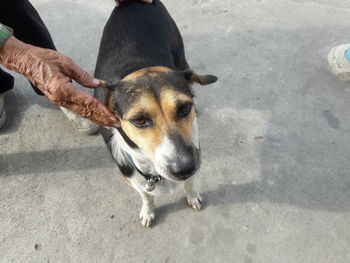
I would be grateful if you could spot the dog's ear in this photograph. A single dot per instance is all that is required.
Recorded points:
(201, 79)
(110, 85)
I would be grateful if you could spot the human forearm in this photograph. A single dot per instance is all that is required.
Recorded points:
(52, 72)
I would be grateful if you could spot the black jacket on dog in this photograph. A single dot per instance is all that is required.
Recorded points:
(139, 35)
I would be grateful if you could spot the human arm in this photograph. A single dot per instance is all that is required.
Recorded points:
(52, 73)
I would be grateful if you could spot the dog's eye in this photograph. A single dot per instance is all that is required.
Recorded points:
(141, 122)
(184, 110)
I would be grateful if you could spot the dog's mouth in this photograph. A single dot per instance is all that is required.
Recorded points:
(178, 178)
(185, 177)
(181, 176)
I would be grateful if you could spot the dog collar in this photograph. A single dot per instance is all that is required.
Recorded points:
(151, 179)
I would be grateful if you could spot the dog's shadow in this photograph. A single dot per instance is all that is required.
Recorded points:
(163, 211)
(321, 196)
(217, 196)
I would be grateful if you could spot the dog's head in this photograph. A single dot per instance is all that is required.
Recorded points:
(157, 116)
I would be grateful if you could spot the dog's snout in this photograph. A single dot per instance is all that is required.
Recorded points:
(184, 168)
(182, 162)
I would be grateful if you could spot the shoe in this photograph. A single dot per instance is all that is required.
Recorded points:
(2, 110)
(339, 62)
(81, 124)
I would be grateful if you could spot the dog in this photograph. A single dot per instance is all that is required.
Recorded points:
(149, 88)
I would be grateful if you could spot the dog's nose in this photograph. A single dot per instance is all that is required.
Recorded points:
(183, 169)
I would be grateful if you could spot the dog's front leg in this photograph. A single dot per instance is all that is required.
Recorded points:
(147, 214)
(194, 200)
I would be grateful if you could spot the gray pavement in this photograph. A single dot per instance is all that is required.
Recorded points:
(275, 136)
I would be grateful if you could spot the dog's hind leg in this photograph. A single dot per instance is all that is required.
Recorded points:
(147, 214)
(194, 200)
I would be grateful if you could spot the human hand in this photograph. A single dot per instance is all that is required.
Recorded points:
(52, 73)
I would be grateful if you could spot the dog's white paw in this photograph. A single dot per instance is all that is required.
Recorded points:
(195, 203)
(147, 215)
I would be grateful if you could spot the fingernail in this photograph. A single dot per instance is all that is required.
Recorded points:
(96, 82)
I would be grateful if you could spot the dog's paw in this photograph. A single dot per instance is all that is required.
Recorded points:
(195, 203)
(147, 216)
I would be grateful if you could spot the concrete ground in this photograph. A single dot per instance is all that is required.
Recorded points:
(275, 136)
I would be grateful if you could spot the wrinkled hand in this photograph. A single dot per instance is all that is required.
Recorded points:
(52, 72)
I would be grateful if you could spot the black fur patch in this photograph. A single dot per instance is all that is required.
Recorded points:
(126, 138)
(136, 36)
(126, 167)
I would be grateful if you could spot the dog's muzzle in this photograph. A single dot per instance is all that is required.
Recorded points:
(186, 164)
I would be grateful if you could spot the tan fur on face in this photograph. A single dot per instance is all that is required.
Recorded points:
(163, 114)
(147, 138)
(169, 99)
(109, 100)
(152, 70)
